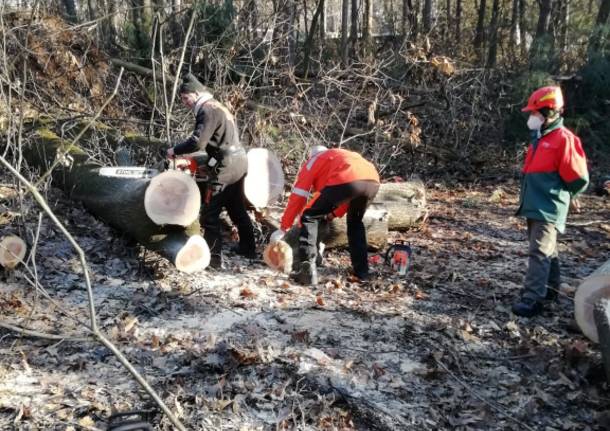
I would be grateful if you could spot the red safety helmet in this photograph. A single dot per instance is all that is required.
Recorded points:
(545, 97)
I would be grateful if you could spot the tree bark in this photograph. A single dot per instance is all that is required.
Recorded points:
(119, 201)
(541, 42)
(479, 38)
(310, 37)
(458, 21)
(344, 28)
(353, 38)
(597, 36)
(522, 27)
(429, 15)
(367, 27)
(593, 289)
(515, 31)
(70, 10)
(493, 40)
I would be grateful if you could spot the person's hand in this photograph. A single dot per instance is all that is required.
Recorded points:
(170, 153)
(278, 235)
(575, 205)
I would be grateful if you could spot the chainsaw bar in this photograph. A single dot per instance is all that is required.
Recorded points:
(128, 172)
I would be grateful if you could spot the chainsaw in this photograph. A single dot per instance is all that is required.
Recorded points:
(398, 256)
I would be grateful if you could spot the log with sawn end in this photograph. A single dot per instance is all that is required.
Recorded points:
(120, 201)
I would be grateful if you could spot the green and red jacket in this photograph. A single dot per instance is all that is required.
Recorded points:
(555, 171)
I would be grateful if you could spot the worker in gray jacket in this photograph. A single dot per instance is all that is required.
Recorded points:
(216, 133)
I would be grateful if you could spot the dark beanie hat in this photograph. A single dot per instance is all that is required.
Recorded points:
(190, 84)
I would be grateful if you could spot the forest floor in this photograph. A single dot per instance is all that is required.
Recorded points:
(245, 349)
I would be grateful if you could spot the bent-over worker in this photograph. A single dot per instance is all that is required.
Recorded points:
(346, 183)
(216, 133)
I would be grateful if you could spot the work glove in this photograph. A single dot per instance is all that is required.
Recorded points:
(278, 235)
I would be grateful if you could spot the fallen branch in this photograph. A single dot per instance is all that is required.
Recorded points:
(36, 334)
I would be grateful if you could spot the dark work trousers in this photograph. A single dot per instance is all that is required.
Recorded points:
(543, 266)
(359, 194)
(233, 199)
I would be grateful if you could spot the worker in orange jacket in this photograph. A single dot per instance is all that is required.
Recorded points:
(346, 183)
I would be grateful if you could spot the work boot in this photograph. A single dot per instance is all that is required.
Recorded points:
(527, 307)
(217, 262)
(307, 275)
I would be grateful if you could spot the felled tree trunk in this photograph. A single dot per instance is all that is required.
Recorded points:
(405, 203)
(596, 287)
(128, 204)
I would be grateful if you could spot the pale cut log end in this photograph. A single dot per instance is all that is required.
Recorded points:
(264, 183)
(12, 251)
(588, 294)
(172, 198)
(278, 256)
(194, 256)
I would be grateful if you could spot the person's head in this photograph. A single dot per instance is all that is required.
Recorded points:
(544, 105)
(316, 149)
(191, 90)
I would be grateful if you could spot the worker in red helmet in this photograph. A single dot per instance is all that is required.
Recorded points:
(342, 182)
(554, 173)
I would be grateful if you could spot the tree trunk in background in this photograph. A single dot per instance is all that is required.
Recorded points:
(493, 40)
(367, 27)
(448, 22)
(406, 21)
(70, 11)
(322, 25)
(479, 37)
(92, 9)
(522, 28)
(515, 32)
(429, 15)
(541, 52)
(599, 35)
(458, 21)
(563, 24)
(310, 36)
(344, 28)
(353, 35)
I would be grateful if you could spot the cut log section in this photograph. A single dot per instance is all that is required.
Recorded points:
(172, 197)
(120, 201)
(593, 289)
(264, 183)
(278, 255)
(12, 251)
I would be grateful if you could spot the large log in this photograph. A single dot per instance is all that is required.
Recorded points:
(593, 289)
(121, 201)
(405, 203)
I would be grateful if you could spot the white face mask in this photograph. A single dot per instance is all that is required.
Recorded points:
(534, 122)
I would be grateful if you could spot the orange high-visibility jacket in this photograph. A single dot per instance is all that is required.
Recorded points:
(328, 168)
